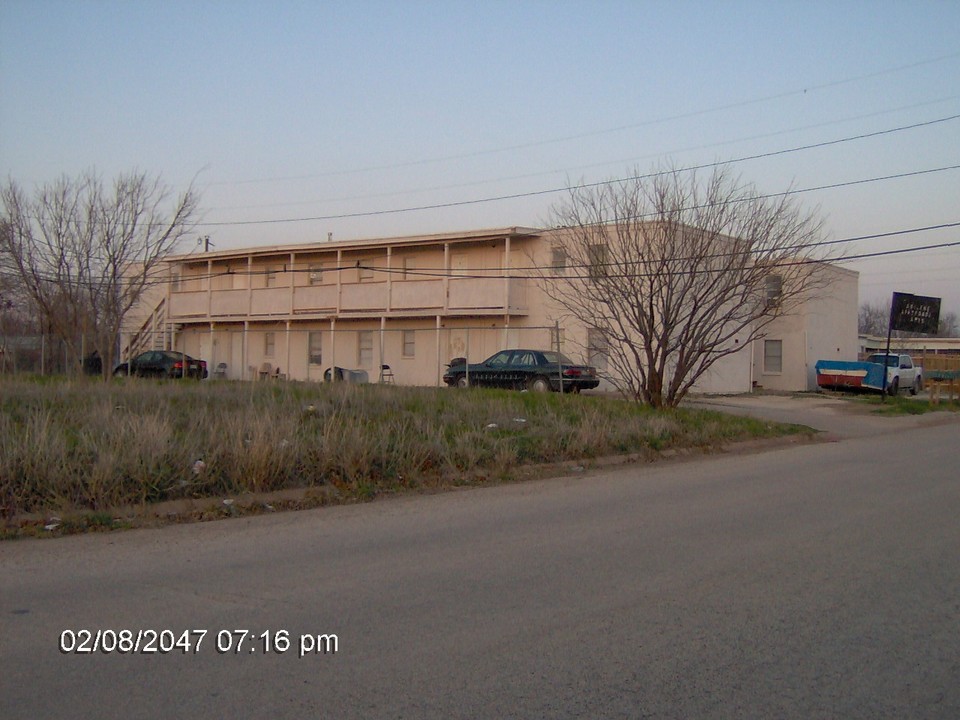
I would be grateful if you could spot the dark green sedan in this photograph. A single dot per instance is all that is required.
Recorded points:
(536, 370)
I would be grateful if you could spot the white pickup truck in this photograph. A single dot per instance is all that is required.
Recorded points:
(901, 372)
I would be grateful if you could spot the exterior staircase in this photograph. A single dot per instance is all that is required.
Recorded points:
(155, 333)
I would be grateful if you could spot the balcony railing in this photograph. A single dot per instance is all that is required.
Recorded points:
(417, 295)
(363, 297)
(270, 301)
(227, 302)
(315, 298)
(462, 296)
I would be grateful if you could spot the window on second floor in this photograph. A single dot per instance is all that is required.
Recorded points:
(315, 275)
(774, 289)
(558, 259)
(597, 257)
(270, 277)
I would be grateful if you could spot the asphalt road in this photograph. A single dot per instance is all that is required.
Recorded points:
(815, 581)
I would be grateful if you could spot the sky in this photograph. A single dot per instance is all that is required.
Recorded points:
(297, 120)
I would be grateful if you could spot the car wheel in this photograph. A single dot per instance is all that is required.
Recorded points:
(917, 386)
(894, 387)
(120, 371)
(463, 382)
(540, 384)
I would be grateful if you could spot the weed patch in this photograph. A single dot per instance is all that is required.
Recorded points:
(897, 405)
(86, 447)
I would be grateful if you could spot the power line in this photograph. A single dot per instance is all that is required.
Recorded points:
(515, 276)
(606, 131)
(703, 256)
(487, 275)
(620, 163)
(498, 272)
(584, 186)
(797, 247)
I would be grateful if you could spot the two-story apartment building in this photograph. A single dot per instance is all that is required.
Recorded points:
(412, 303)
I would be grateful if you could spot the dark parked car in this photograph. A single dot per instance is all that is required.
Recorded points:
(163, 363)
(537, 370)
(92, 364)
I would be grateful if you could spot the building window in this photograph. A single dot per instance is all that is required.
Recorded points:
(366, 271)
(409, 343)
(365, 348)
(269, 344)
(175, 282)
(558, 260)
(597, 257)
(774, 290)
(598, 349)
(315, 347)
(315, 274)
(773, 356)
(409, 265)
(270, 277)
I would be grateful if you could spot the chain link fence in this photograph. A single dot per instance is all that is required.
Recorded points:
(362, 351)
(36, 355)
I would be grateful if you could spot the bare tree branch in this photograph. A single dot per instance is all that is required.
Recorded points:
(679, 273)
(85, 254)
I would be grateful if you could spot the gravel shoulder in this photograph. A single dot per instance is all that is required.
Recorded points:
(838, 417)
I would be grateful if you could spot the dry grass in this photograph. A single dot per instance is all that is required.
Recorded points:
(84, 445)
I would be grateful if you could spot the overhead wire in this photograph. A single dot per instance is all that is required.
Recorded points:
(542, 274)
(556, 171)
(580, 186)
(764, 196)
(629, 126)
(501, 272)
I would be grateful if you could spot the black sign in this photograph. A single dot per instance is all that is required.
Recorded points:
(915, 313)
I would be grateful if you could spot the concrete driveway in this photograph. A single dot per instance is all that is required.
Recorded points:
(839, 417)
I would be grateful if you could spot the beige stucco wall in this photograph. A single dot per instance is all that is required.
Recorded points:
(245, 351)
(464, 308)
(823, 328)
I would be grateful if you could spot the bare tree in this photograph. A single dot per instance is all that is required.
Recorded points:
(873, 318)
(676, 274)
(84, 253)
(949, 325)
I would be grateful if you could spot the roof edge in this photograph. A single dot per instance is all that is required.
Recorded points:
(361, 243)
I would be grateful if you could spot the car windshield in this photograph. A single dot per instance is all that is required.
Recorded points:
(892, 360)
(555, 358)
